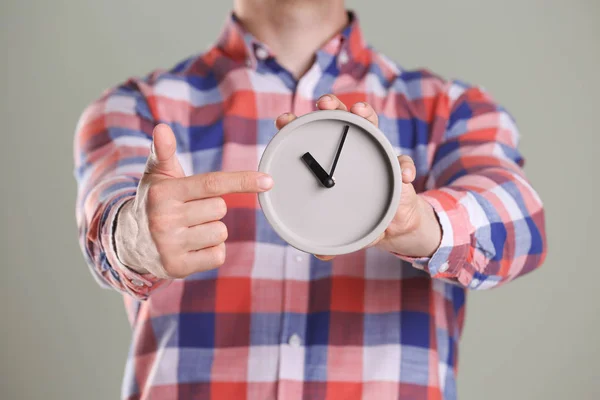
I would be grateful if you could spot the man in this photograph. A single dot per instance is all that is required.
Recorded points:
(167, 165)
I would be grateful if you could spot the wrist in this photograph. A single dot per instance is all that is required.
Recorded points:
(430, 229)
(425, 238)
(125, 234)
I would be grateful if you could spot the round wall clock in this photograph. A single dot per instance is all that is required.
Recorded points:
(337, 183)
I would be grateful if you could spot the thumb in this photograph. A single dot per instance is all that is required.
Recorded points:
(163, 159)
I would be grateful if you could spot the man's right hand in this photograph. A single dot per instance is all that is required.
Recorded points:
(172, 228)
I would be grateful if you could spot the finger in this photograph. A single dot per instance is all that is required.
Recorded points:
(205, 235)
(215, 184)
(205, 259)
(330, 102)
(366, 111)
(324, 258)
(205, 210)
(407, 166)
(283, 120)
(163, 158)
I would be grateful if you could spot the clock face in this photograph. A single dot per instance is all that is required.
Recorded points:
(327, 213)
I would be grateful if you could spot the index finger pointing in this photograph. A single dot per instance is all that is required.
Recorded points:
(214, 184)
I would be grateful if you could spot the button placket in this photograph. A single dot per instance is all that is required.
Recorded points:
(304, 97)
(292, 351)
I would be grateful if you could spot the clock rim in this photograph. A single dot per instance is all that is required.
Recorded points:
(269, 210)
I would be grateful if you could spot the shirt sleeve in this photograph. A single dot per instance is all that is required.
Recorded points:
(112, 143)
(492, 220)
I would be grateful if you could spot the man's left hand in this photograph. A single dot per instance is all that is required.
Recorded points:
(415, 230)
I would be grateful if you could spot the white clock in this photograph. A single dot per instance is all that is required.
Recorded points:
(337, 183)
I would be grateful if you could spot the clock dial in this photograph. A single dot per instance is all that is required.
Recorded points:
(330, 219)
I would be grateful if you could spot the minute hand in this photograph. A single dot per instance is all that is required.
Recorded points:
(339, 150)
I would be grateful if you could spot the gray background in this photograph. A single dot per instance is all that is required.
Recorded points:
(62, 337)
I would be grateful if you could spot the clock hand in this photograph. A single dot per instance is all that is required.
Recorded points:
(339, 150)
(319, 172)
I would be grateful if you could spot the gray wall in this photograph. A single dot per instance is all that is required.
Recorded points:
(61, 337)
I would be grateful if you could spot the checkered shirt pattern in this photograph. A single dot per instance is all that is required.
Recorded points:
(276, 323)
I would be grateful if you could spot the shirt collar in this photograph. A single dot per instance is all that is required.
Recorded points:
(347, 46)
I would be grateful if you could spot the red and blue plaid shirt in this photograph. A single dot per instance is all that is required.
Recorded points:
(274, 322)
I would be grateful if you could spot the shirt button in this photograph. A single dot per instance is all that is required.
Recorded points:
(298, 258)
(343, 57)
(262, 53)
(444, 267)
(295, 340)
(137, 282)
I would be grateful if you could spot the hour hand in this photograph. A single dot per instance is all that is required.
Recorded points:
(319, 172)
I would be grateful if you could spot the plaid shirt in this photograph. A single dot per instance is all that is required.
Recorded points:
(274, 322)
